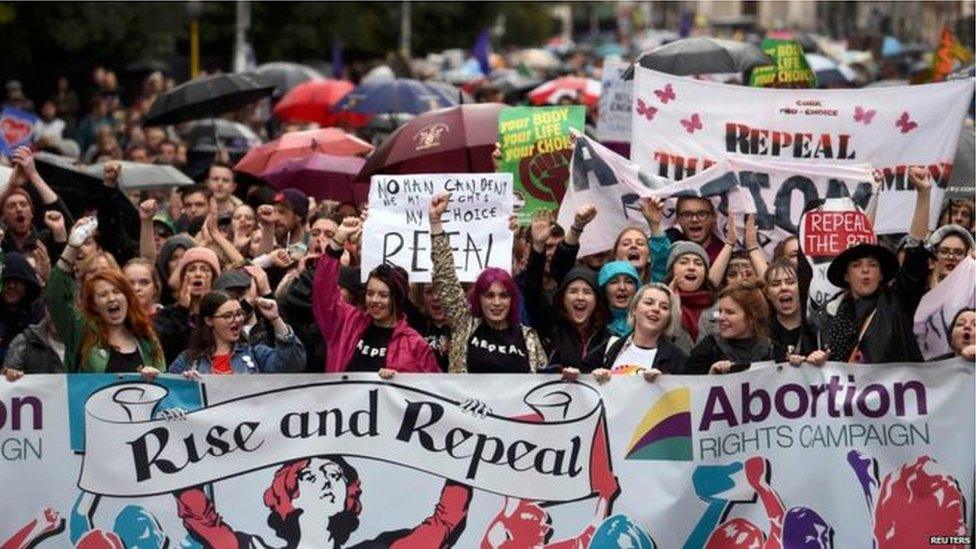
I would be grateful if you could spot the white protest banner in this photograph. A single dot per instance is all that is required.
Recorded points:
(781, 191)
(476, 221)
(613, 123)
(825, 232)
(325, 461)
(610, 182)
(938, 309)
(413, 427)
(681, 125)
(776, 192)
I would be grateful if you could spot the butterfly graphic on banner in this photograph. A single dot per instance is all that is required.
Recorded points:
(645, 110)
(665, 95)
(692, 123)
(864, 115)
(906, 123)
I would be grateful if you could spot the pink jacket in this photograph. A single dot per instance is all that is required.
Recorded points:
(342, 326)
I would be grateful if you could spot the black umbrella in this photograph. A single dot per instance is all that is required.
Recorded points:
(148, 65)
(82, 190)
(206, 97)
(284, 76)
(701, 55)
(233, 136)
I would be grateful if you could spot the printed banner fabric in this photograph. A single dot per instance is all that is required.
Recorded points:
(681, 126)
(939, 306)
(352, 461)
(776, 192)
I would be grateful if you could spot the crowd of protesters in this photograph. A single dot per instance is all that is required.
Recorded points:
(225, 278)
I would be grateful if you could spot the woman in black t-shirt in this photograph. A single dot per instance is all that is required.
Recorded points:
(787, 323)
(486, 335)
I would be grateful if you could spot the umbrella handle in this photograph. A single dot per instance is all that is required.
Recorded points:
(216, 136)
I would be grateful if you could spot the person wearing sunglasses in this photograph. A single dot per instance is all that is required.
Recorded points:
(218, 345)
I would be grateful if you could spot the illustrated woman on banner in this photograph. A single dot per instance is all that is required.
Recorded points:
(316, 501)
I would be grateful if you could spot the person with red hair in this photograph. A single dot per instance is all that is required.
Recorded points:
(108, 332)
(302, 492)
(486, 336)
(743, 333)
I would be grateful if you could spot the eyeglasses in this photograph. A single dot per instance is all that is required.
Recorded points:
(701, 214)
(231, 316)
(949, 253)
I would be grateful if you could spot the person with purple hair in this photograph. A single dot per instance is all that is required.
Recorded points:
(486, 336)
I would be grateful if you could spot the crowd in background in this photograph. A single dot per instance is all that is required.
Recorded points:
(232, 276)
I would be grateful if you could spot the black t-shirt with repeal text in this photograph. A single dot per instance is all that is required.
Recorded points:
(493, 351)
(370, 353)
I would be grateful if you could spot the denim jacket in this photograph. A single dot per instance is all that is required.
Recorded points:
(287, 356)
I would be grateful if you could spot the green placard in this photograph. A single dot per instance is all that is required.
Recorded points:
(790, 68)
(536, 148)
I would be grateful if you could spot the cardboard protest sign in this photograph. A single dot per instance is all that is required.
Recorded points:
(789, 69)
(476, 221)
(681, 125)
(938, 308)
(825, 232)
(16, 129)
(613, 122)
(536, 147)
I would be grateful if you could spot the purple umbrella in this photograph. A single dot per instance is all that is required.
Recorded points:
(323, 176)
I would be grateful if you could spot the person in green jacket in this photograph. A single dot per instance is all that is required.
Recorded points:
(105, 331)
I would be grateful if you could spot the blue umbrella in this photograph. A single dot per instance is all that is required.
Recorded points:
(398, 95)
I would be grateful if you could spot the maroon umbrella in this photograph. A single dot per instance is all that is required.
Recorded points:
(452, 140)
(323, 176)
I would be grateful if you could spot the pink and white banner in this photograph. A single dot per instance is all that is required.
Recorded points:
(681, 126)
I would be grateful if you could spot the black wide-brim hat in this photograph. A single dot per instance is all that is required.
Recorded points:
(885, 257)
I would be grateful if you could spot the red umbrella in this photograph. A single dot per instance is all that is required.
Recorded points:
(323, 176)
(312, 101)
(579, 89)
(452, 140)
(301, 144)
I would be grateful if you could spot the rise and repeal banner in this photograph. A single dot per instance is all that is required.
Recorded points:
(492, 461)
(682, 126)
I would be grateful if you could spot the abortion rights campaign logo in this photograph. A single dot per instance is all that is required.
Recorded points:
(665, 431)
